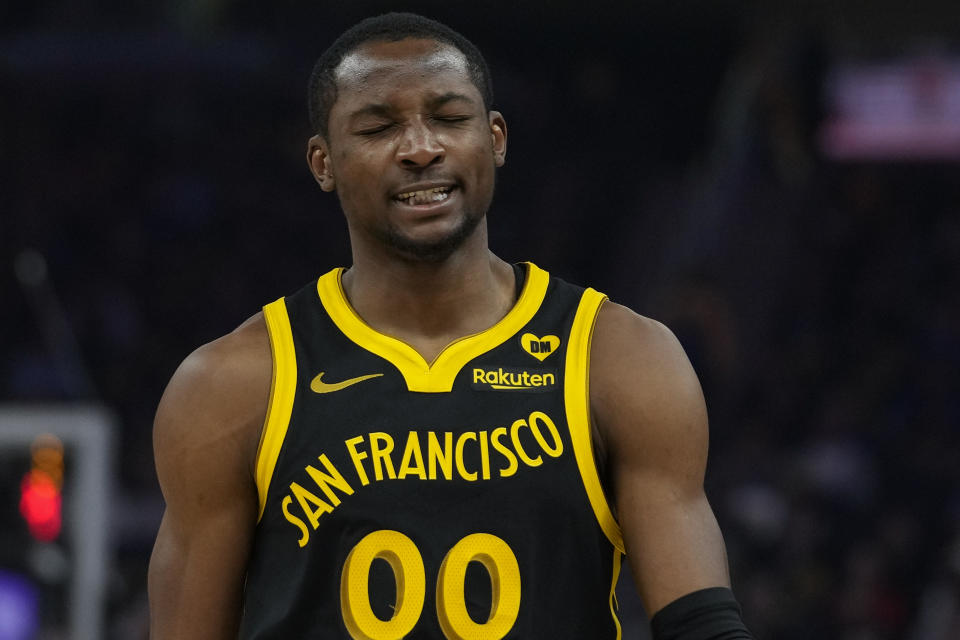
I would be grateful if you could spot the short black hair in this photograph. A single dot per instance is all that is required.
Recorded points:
(389, 27)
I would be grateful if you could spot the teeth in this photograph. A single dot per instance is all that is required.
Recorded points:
(435, 194)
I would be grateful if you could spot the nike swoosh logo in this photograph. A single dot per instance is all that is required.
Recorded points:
(317, 385)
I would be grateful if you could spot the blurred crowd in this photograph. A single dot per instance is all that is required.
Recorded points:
(156, 194)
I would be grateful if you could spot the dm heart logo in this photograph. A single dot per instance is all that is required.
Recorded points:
(539, 348)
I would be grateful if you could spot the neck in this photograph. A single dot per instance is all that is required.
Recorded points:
(429, 305)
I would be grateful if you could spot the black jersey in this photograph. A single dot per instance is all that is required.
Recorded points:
(451, 499)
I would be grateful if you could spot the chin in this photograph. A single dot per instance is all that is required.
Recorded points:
(435, 249)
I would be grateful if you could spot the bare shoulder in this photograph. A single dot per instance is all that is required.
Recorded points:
(205, 439)
(649, 410)
(217, 399)
(643, 390)
(620, 330)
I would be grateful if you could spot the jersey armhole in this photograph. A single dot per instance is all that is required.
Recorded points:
(283, 388)
(577, 402)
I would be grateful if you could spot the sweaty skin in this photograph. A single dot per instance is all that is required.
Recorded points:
(408, 118)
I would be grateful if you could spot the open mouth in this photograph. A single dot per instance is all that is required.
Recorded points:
(424, 196)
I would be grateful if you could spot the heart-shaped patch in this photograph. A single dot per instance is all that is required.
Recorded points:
(539, 348)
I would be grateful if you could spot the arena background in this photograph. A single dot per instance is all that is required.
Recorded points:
(778, 185)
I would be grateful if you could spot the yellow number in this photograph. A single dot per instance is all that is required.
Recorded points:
(408, 571)
(500, 562)
(407, 565)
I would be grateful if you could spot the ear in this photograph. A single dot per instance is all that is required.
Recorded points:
(318, 159)
(498, 133)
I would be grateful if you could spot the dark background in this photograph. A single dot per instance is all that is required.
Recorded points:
(665, 153)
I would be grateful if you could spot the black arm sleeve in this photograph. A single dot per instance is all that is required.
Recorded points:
(707, 614)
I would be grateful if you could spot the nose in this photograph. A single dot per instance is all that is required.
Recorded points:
(419, 147)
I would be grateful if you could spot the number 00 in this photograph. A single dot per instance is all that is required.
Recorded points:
(408, 571)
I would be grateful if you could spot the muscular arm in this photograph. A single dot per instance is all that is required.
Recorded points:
(205, 438)
(652, 422)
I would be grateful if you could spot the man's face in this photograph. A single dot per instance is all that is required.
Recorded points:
(411, 150)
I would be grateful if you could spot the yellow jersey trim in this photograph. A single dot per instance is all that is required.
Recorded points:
(614, 605)
(436, 376)
(576, 395)
(283, 388)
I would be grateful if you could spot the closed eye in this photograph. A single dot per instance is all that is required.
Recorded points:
(370, 131)
(452, 119)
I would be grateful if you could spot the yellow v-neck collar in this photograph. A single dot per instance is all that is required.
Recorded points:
(439, 375)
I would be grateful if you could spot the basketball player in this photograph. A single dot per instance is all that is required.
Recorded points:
(431, 443)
